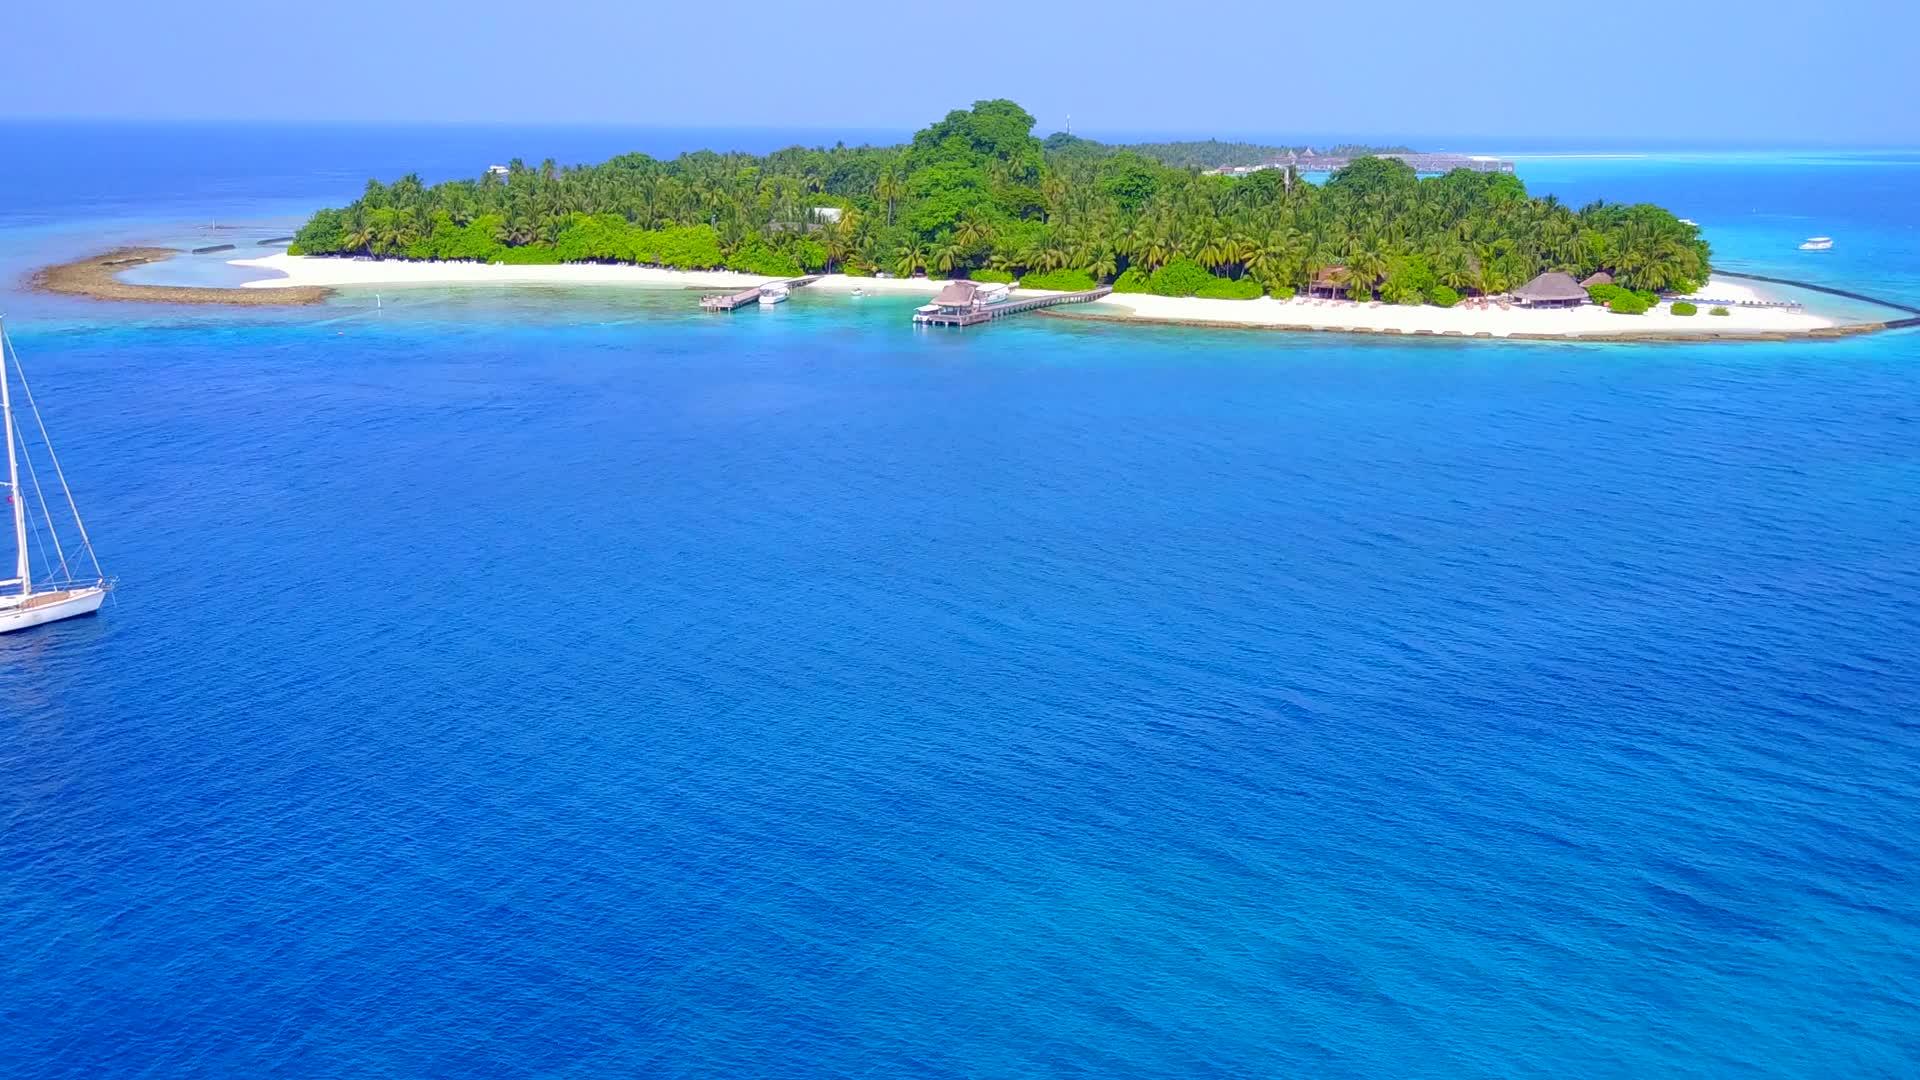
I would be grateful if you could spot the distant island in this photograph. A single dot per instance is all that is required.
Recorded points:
(1215, 158)
(977, 195)
(1207, 154)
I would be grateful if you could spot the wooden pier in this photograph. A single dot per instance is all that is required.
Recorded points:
(735, 301)
(977, 314)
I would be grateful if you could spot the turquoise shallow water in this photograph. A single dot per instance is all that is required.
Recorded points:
(564, 683)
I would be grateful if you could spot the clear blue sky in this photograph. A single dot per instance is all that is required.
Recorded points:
(1763, 71)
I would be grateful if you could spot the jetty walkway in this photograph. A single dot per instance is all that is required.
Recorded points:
(974, 316)
(1891, 324)
(1701, 301)
(733, 301)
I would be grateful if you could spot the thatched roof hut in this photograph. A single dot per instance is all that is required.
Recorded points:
(1331, 278)
(1598, 277)
(957, 294)
(1551, 289)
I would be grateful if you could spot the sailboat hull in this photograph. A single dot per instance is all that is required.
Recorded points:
(19, 613)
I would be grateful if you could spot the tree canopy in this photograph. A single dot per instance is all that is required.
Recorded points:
(977, 192)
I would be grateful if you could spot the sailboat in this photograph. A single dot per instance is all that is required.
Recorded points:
(64, 589)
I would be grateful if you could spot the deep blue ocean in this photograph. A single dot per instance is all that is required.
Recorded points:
(563, 683)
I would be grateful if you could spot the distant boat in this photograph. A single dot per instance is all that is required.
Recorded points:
(1816, 243)
(65, 589)
(772, 294)
(1689, 221)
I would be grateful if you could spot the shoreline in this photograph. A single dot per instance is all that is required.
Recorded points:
(96, 277)
(290, 280)
(1584, 323)
(1830, 332)
(1587, 323)
(294, 271)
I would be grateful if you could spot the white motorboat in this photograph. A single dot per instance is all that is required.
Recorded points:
(1816, 243)
(65, 589)
(991, 293)
(773, 294)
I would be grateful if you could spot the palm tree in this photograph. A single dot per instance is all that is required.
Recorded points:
(1453, 265)
(1043, 256)
(949, 255)
(974, 233)
(1314, 260)
(1366, 265)
(1241, 249)
(1159, 246)
(1053, 190)
(1216, 252)
(357, 235)
(1274, 261)
(888, 189)
(910, 258)
(837, 238)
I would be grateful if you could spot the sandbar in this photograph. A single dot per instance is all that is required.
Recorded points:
(97, 277)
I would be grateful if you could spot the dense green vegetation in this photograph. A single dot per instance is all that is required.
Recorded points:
(1719, 311)
(1681, 307)
(1220, 288)
(1181, 277)
(977, 195)
(1061, 280)
(1610, 296)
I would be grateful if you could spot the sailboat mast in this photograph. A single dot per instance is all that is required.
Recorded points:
(19, 504)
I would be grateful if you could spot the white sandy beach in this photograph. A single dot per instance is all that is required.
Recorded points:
(1585, 321)
(284, 270)
(355, 273)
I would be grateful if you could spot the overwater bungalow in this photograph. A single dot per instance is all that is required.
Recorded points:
(954, 298)
(955, 295)
(1552, 289)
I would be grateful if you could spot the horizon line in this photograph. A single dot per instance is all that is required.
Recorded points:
(1666, 142)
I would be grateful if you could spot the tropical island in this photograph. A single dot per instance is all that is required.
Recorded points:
(977, 195)
(1148, 232)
